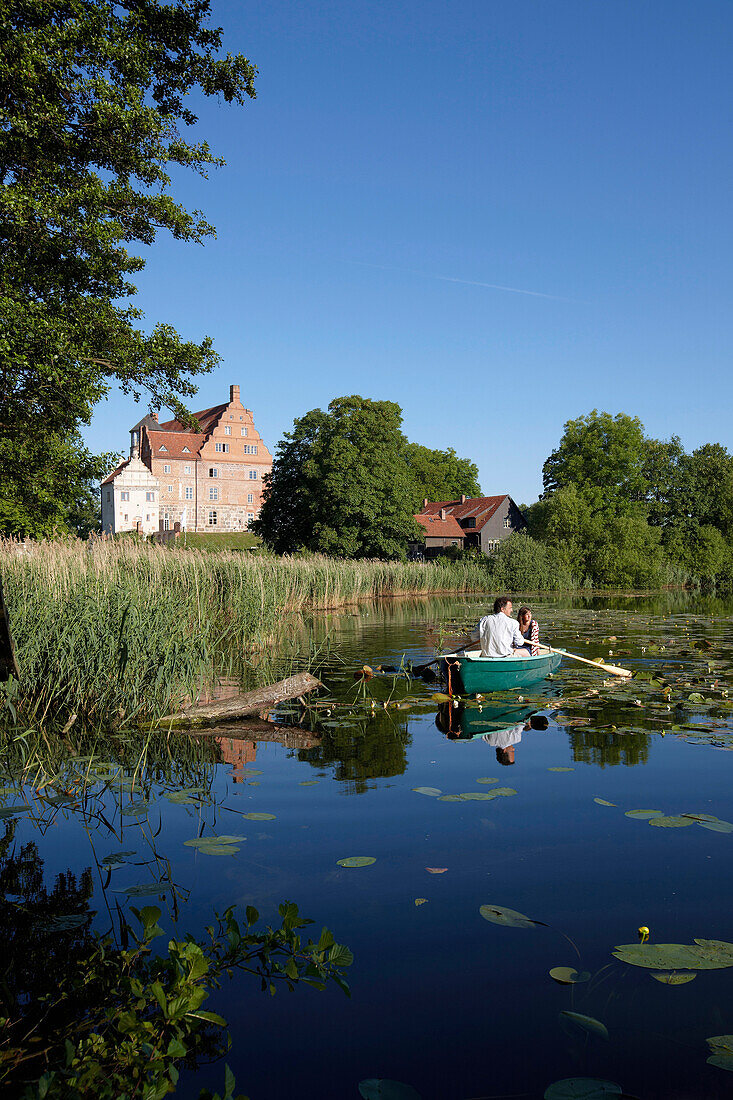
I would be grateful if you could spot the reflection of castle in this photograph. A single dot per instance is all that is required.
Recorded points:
(237, 753)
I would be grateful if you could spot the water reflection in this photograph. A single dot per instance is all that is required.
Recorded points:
(499, 726)
(607, 749)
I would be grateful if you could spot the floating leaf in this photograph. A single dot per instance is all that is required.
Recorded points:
(439, 697)
(308, 782)
(586, 1023)
(432, 791)
(502, 792)
(702, 817)
(498, 914)
(700, 955)
(696, 697)
(671, 821)
(116, 858)
(451, 798)
(136, 809)
(250, 771)
(420, 901)
(9, 811)
(209, 841)
(356, 861)
(721, 1051)
(717, 826)
(567, 975)
(478, 796)
(642, 815)
(145, 890)
(218, 849)
(436, 870)
(604, 802)
(671, 977)
(486, 779)
(582, 1088)
(68, 922)
(380, 1088)
(259, 817)
(561, 769)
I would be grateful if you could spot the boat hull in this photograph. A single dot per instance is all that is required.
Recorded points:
(471, 673)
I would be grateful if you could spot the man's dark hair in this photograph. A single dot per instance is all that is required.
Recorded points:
(500, 603)
(503, 757)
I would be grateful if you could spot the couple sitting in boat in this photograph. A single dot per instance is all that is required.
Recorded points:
(502, 636)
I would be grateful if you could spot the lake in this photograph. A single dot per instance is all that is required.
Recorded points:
(455, 1005)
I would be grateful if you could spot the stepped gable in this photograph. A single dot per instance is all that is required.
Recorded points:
(110, 477)
(436, 527)
(479, 508)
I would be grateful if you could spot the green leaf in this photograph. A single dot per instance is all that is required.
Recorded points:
(567, 975)
(671, 977)
(498, 914)
(671, 821)
(136, 809)
(586, 1023)
(642, 815)
(451, 798)
(486, 779)
(420, 901)
(561, 769)
(380, 1088)
(356, 861)
(700, 955)
(721, 1051)
(582, 1088)
(144, 890)
(259, 817)
(432, 791)
(603, 802)
(209, 1017)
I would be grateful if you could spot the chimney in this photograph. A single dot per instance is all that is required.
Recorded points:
(424, 503)
(463, 498)
(154, 416)
(442, 513)
(234, 395)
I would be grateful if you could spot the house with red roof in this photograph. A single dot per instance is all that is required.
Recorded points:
(206, 480)
(482, 522)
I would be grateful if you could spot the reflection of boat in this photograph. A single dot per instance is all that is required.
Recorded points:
(476, 673)
(464, 723)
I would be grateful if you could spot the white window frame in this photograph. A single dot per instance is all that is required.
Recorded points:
(213, 492)
(166, 468)
(211, 519)
(188, 493)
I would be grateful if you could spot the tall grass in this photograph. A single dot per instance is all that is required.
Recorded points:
(115, 632)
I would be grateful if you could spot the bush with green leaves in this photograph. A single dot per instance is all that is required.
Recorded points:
(119, 1021)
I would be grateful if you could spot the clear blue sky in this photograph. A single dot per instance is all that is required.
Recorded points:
(401, 156)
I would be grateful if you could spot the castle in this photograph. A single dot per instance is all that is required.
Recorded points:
(180, 479)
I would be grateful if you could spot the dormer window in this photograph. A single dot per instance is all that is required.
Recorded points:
(186, 451)
(162, 447)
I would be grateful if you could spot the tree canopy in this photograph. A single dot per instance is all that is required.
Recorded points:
(96, 101)
(440, 475)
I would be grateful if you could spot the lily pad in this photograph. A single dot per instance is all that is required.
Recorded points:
(505, 792)
(436, 870)
(136, 809)
(586, 1023)
(308, 782)
(259, 817)
(721, 1051)
(451, 798)
(498, 914)
(356, 861)
(116, 858)
(716, 826)
(69, 922)
(420, 901)
(440, 697)
(567, 975)
(478, 796)
(604, 802)
(145, 889)
(582, 1088)
(643, 815)
(218, 849)
(671, 977)
(700, 955)
(561, 769)
(671, 821)
(212, 841)
(381, 1088)
(486, 779)
(10, 811)
(432, 791)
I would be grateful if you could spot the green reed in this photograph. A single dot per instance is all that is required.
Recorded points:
(121, 632)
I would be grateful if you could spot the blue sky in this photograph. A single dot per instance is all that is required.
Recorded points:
(402, 156)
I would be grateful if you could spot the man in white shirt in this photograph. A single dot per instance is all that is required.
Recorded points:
(499, 633)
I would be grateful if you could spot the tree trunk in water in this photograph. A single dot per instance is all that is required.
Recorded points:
(251, 702)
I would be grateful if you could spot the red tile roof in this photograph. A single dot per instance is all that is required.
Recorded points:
(174, 442)
(435, 527)
(207, 418)
(115, 472)
(481, 508)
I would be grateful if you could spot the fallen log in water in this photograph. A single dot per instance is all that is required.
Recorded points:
(250, 702)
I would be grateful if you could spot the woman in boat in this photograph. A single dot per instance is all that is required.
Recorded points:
(530, 629)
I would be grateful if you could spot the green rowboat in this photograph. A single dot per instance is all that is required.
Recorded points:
(471, 673)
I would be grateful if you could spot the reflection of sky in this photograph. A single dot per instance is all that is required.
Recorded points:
(479, 992)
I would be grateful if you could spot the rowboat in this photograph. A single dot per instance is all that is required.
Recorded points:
(470, 673)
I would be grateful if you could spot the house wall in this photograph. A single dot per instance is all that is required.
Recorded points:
(125, 503)
(506, 521)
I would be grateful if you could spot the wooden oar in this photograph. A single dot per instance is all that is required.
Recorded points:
(613, 669)
(461, 649)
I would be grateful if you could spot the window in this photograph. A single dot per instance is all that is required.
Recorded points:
(250, 498)
(186, 451)
(108, 496)
(212, 519)
(147, 519)
(243, 431)
(213, 492)
(124, 496)
(492, 546)
(507, 522)
(228, 430)
(150, 496)
(189, 493)
(166, 469)
(125, 517)
(252, 475)
(213, 472)
(187, 469)
(241, 418)
(250, 448)
(162, 447)
(221, 447)
(250, 519)
(231, 416)
(166, 522)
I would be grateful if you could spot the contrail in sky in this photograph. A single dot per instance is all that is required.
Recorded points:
(465, 282)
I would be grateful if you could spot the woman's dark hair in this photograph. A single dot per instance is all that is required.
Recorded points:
(522, 610)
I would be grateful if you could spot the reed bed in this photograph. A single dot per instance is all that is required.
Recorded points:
(116, 632)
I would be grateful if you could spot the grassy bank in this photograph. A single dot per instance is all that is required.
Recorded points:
(117, 631)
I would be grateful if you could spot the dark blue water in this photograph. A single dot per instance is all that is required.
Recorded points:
(441, 999)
